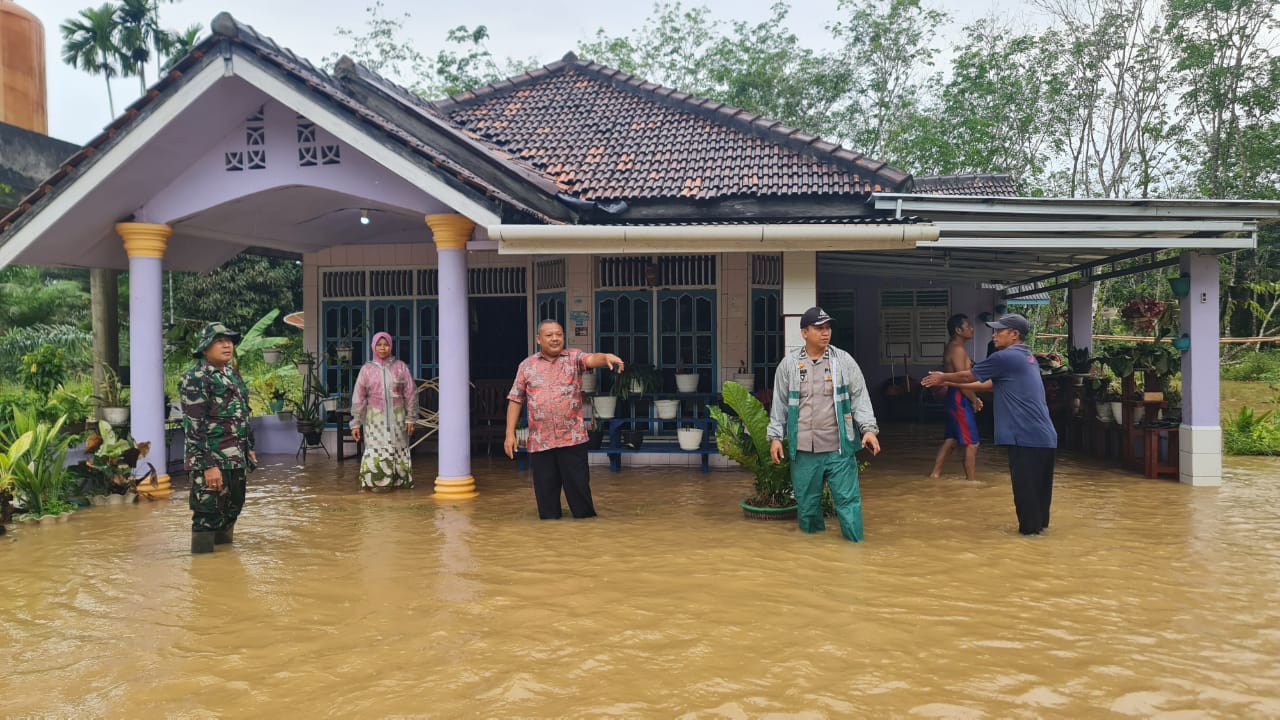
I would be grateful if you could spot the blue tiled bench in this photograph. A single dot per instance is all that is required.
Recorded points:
(615, 449)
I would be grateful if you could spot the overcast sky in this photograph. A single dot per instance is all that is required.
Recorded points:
(545, 29)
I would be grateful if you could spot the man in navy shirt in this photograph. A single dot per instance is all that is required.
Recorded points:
(1021, 417)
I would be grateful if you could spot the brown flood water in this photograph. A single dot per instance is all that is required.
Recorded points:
(1145, 599)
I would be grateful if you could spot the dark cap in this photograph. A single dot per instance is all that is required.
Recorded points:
(814, 316)
(1013, 322)
(212, 331)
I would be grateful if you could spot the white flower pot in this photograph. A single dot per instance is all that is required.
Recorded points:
(116, 415)
(604, 406)
(271, 356)
(329, 404)
(687, 382)
(746, 380)
(1117, 411)
(589, 381)
(1104, 412)
(344, 355)
(689, 438)
(667, 409)
(637, 388)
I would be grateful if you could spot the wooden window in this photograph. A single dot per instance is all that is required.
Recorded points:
(913, 323)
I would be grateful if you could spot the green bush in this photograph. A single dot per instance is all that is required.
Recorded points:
(1261, 365)
(1251, 434)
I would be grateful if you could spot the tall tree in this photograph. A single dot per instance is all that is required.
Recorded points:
(90, 44)
(140, 37)
(889, 50)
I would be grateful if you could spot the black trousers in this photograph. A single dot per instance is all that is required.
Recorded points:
(1031, 470)
(562, 467)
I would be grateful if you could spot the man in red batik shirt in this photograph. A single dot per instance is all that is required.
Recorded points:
(549, 383)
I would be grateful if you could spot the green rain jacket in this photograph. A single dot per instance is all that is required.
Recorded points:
(853, 404)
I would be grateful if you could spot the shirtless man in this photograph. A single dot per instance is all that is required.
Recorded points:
(960, 403)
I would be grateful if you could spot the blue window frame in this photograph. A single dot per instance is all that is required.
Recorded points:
(624, 326)
(394, 317)
(551, 306)
(428, 340)
(766, 334)
(687, 334)
(344, 321)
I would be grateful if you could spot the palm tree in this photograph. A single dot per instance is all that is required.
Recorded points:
(182, 43)
(138, 25)
(89, 44)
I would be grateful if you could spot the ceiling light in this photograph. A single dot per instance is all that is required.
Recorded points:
(364, 217)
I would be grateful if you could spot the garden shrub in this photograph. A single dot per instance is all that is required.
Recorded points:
(1262, 365)
(1248, 433)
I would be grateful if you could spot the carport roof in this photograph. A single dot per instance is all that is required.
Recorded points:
(1008, 241)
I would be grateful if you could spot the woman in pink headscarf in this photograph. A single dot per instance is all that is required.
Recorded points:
(384, 406)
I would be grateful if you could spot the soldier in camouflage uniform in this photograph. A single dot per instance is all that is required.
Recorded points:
(219, 441)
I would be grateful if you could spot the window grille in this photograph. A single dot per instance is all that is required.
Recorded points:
(343, 284)
(390, 283)
(766, 270)
(496, 281)
(548, 274)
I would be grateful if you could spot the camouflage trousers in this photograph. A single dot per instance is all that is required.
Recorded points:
(216, 510)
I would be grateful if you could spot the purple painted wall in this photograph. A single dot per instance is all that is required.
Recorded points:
(207, 182)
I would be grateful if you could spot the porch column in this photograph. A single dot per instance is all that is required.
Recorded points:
(145, 244)
(1080, 316)
(451, 232)
(799, 293)
(1200, 436)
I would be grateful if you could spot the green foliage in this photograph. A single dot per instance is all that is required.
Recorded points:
(43, 369)
(467, 63)
(112, 462)
(646, 378)
(32, 296)
(111, 393)
(1250, 434)
(75, 344)
(238, 294)
(1261, 365)
(743, 437)
(90, 44)
(35, 454)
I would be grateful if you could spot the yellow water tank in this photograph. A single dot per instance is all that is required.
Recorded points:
(23, 101)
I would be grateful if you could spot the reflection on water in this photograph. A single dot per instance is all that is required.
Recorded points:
(1146, 598)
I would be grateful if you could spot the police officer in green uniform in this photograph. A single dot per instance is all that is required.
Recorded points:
(219, 442)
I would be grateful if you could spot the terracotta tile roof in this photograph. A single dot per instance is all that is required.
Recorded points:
(989, 185)
(604, 135)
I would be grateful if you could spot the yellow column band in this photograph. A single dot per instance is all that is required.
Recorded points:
(450, 231)
(144, 239)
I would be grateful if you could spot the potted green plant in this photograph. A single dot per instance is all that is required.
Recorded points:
(110, 468)
(1081, 361)
(743, 437)
(636, 379)
(112, 397)
(686, 382)
(308, 409)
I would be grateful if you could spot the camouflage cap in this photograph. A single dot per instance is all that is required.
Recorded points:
(211, 331)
